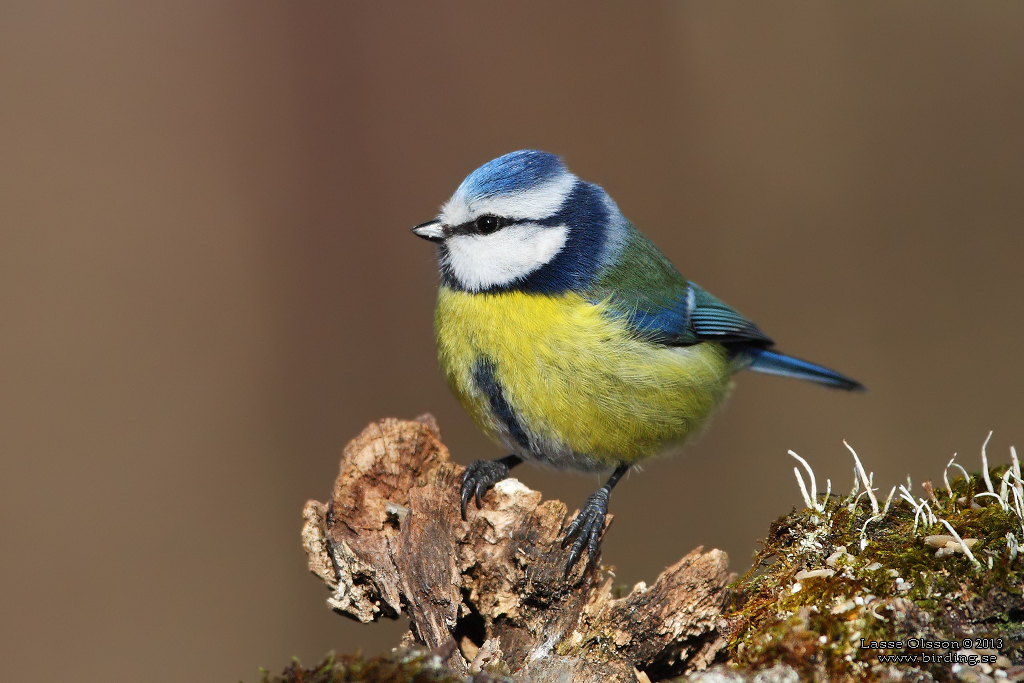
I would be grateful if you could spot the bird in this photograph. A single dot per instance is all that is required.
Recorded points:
(571, 339)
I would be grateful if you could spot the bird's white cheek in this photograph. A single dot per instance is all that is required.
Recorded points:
(482, 261)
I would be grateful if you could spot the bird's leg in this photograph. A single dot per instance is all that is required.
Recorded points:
(589, 523)
(481, 475)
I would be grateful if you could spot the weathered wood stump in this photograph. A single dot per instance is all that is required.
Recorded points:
(391, 540)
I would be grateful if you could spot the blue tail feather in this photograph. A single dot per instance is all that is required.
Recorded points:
(772, 363)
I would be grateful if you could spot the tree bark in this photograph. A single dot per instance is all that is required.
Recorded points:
(391, 540)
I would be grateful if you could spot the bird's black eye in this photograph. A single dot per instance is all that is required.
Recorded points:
(485, 225)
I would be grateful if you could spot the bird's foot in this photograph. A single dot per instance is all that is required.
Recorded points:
(586, 527)
(479, 478)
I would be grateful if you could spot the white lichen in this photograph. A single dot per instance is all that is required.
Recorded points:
(984, 464)
(810, 499)
(864, 477)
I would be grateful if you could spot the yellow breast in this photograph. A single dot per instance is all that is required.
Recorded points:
(587, 391)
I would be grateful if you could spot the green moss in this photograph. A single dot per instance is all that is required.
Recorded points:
(816, 624)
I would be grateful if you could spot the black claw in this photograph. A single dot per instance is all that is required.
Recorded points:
(479, 478)
(586, 528)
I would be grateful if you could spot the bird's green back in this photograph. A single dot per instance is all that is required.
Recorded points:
(641, 285)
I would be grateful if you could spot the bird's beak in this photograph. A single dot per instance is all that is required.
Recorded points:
(431, 230)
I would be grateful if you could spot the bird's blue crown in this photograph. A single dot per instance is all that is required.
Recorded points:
(513, 172)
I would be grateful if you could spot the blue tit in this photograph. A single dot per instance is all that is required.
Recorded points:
(571, 339)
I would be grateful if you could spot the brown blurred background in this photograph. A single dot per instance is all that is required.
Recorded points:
(208, 285)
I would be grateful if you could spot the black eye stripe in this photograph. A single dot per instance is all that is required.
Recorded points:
(472, 227)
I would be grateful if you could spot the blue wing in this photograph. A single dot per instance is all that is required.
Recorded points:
(690, 317)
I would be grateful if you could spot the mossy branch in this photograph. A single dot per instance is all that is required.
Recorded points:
(487, 600)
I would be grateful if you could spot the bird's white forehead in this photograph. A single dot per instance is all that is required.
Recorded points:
(533, 203)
